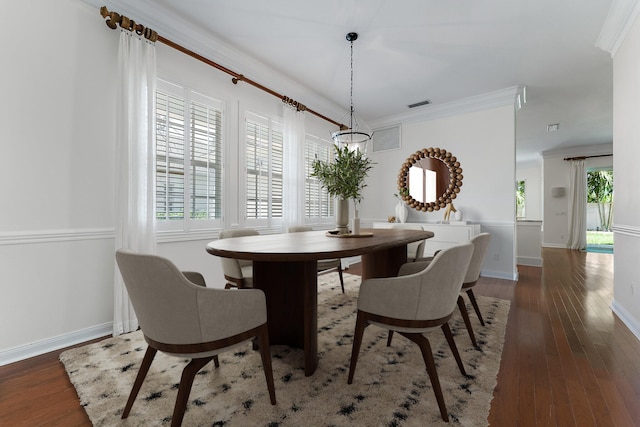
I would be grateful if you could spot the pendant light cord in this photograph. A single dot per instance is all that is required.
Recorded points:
(351, 94)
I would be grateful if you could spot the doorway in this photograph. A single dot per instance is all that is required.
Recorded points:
(599, 210)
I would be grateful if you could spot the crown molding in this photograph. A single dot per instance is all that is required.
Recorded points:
(485, 101)
(622, 15)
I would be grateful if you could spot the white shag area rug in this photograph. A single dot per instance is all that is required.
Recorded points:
(390, 388)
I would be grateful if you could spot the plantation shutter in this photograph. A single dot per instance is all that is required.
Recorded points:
(169, 157)
(206, 162)
(318, 203)
(264, 169)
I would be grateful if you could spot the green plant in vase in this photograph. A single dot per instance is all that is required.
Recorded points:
(344, 178)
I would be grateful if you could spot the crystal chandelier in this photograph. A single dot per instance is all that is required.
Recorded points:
(353, 137)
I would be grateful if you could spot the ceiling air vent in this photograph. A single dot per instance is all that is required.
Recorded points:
(417, 104)
(553, 127)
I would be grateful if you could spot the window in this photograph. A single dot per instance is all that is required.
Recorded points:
(319, 205)
(263, 171)
(188, 159)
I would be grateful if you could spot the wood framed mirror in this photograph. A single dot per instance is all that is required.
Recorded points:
(430, 179)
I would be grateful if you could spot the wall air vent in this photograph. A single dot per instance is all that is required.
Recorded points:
(553, 127)
(417, 104)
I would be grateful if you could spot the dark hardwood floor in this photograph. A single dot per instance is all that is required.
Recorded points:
(567, 360)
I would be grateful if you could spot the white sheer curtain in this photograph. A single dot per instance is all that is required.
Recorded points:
(578, 206)
(294, 178)
(135, 163)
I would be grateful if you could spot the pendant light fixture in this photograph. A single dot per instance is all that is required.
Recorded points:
(352, 137)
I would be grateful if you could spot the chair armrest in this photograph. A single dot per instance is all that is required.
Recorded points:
(195, 278)
(413, 267)
(395, 297)
(224, 313)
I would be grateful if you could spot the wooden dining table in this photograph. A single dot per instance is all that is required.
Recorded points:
(285, 269)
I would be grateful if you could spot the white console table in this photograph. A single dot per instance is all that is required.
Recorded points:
(445, 235)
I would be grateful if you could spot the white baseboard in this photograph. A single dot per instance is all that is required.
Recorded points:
(626, 318)
(554, 245)
(499, 275)
(529, 261)
(37, 348)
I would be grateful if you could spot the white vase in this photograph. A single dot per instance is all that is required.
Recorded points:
(355, 226)
(401, 211)
(458, 215)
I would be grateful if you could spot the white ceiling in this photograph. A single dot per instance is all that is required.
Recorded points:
(412, 50)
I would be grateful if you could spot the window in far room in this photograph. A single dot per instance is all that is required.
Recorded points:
(520, 199)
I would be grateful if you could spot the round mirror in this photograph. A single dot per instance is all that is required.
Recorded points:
(430, 179)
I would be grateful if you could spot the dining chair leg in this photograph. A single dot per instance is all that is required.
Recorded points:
(465, 316)
(341, 280)
(265, 354)
(427, 356)
(142, 373)
(389, 338)
(216, 361)
(184, 389)
(361, 323)
(472, 298)
(452, 345)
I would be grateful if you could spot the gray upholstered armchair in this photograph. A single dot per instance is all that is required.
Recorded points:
(415, 250)
(480, 245)
(237, 272)
(323, 264)
(414, 305)
(181, 317)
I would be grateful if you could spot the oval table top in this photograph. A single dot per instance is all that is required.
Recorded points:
(311, 245)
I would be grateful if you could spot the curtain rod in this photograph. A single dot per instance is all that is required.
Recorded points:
(113, 19)
(587, 157)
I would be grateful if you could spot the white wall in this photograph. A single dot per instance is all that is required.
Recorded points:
(56, 228)
(484, 144)
(626, 133)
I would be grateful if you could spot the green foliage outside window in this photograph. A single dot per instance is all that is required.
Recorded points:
(520, 199)
(600, 191)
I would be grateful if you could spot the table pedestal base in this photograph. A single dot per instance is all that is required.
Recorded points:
(291, 289)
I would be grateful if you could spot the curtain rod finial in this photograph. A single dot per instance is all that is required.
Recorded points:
(113, 18)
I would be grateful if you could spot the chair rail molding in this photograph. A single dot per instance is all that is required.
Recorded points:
(52, 236)
(627, 230)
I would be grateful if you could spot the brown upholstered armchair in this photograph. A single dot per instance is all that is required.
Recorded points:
(414, 305)
(181, 317)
